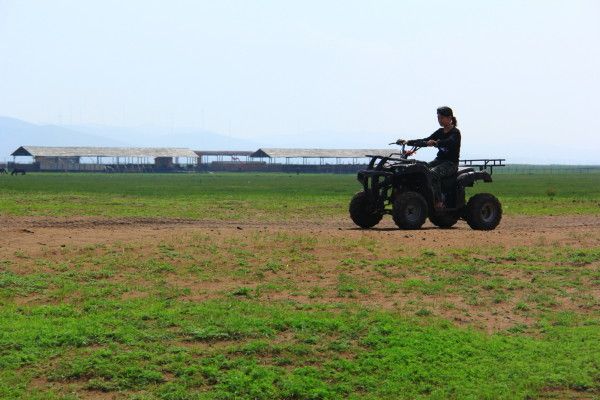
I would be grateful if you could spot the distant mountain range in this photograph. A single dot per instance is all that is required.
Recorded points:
(15, 133)
(529, 150)
(152, 136)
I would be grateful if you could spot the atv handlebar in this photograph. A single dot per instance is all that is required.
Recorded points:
(413, 142)
(403, 143)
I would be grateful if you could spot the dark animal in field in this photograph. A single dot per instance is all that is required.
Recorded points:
(18, 171)
(3, 171)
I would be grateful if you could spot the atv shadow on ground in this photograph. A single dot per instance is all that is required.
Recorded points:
(392, 229)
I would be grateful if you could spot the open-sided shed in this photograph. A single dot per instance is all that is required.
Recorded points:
(72, 158)
(205, 156)
(323, 156)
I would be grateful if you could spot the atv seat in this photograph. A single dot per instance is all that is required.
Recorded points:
(464, 170)
(450, 181)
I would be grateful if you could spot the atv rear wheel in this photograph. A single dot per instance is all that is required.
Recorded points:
(484, 212)
(410, 210)
(443, 221)
(363, 210)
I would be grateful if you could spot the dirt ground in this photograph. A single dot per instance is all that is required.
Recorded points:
(39, 236)
(31, 234)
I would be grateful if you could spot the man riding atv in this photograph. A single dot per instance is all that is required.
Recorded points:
(447, 140)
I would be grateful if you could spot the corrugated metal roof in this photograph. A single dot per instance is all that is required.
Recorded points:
(321, 153)
(223, 152)
(44, 151)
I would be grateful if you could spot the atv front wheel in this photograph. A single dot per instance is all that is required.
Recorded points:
(410, 210)
(363, 210)
(443, 221)
(484, 212)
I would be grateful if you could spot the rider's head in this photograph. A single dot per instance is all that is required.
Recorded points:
(446, 117)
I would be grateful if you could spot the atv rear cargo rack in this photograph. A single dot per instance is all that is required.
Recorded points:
(483, 163)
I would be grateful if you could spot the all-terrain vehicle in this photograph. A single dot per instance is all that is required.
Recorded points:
(403, 188)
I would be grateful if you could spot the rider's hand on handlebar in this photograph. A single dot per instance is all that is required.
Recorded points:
(400, 141)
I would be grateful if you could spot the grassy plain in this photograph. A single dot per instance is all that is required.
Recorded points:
(265, 196)
(264, 313)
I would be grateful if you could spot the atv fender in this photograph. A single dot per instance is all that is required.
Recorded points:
(469, 178)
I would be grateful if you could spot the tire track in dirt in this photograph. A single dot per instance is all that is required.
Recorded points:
(33, 234)
(509, 223)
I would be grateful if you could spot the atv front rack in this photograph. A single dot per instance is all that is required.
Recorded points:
(483, 163)
(383, 160)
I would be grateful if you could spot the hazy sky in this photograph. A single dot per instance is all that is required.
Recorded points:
(523, 75)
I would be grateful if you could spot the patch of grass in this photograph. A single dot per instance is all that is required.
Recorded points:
(141, 355)
(12, 284)
(242, 291)
(422, 286)
(349, 286)
(180, 318)
(423, 312)
(260, 196)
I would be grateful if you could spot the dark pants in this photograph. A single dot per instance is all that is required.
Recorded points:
(439, 170)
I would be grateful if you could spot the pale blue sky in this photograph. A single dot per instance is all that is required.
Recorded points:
(521, 75)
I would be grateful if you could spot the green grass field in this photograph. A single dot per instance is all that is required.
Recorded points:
(265, 196)
(282, 313)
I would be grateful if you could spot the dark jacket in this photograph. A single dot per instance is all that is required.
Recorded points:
(448, 144)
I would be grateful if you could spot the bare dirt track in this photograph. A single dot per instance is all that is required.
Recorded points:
(28, 233)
